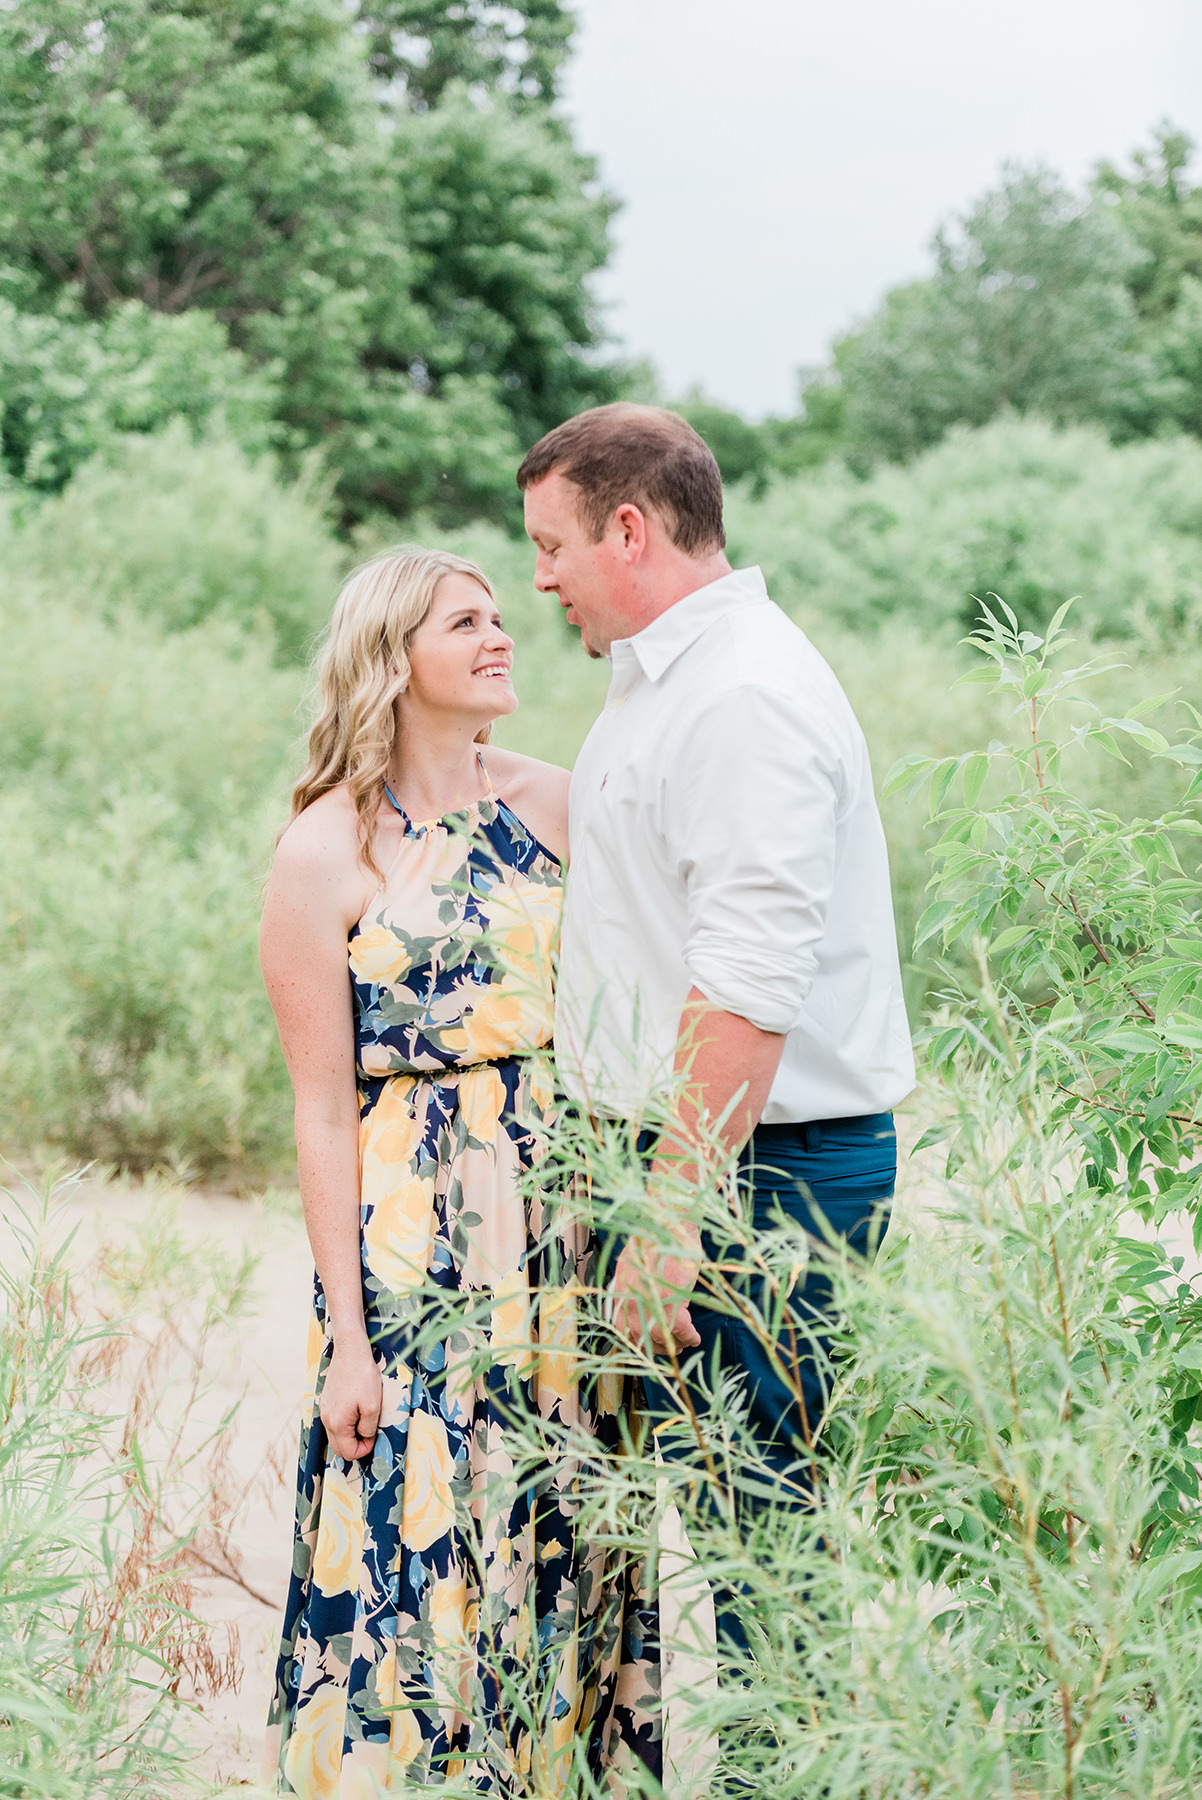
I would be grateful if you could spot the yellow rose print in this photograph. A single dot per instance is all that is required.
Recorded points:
(481, 1102)
(313, 1754)
(511, 1322)
(399, 1233)
(493, 1025)
(542, 1091)
(448, 1612)
(405, 1736)
(429, 1502)
(520, 930)
(391, 1132)
(339, 1552)
(377, 955)
(557, 1357)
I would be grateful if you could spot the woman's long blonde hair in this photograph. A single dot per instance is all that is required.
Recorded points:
(362, 668)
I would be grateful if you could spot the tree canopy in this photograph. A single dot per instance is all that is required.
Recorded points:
(1028, 309)
(1078, 307)
(427, 45)
(399, 271)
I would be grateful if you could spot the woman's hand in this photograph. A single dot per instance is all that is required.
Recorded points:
(351, 1399)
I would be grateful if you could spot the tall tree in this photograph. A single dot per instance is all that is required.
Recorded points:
(426, 45)
(1162, 209)
(1028, 309)
(412, 285)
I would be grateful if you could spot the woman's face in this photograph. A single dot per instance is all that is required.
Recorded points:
(460, 660)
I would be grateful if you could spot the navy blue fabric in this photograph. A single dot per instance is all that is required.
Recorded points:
(831, 1175)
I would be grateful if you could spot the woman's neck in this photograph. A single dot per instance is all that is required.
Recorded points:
(432, 773)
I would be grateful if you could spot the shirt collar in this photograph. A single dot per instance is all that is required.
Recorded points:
(659, 644)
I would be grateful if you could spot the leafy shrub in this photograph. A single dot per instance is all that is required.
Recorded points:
(1017, 508)
(143, 782)
(147, 760)
(184, 531)
(72, 385)
(1087, 926)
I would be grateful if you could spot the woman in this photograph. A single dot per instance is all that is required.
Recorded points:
(406, 948)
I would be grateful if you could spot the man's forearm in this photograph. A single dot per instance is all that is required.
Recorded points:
(722, 1057)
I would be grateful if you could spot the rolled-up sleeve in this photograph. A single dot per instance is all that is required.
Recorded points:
(750, 817)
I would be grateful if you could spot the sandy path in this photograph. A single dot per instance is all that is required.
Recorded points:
(258, 1365)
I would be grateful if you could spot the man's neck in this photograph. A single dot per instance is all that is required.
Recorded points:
(662, 588)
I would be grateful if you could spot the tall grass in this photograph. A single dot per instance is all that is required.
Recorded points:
(101, 1513)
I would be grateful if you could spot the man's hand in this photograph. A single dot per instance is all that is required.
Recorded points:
(651, 1285)
(351, 1399)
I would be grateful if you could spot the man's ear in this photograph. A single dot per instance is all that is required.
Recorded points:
(631, 523)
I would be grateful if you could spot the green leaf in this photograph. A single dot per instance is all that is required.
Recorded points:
(1130, 1037)
(905, 770)
(1014, 934)
(975, 771)
(1188, 755)
(935, 919)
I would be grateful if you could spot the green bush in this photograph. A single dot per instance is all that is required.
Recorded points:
(184, 531)
(150, 699)
(1018, 509)
(72, 385)
(145, 774)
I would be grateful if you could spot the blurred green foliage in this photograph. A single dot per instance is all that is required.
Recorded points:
(156, 615)
(1080, 307)
(400, 283)
(183, 532)
(1016, 508)
(427, 45)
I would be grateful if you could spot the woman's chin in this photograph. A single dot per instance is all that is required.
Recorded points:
(502, 703)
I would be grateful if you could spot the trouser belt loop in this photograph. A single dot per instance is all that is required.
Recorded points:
(811, 1137)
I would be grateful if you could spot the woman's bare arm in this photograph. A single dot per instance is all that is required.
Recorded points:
(314, 898)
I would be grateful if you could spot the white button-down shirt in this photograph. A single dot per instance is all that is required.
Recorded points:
(724, 836)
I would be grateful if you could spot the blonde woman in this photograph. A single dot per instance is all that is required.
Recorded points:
(406, 948)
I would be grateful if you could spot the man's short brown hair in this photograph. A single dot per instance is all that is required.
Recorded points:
(639, 456)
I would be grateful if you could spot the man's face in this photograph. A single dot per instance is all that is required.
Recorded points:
(591, 579)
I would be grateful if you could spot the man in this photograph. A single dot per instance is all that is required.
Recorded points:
(728, 913)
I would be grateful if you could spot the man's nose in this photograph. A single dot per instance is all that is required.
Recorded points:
(544, 581)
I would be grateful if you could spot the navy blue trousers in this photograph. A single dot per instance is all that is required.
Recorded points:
(832, 1176)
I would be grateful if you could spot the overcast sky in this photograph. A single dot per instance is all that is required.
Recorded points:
(783, 162)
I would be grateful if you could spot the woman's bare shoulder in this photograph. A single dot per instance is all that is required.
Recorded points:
(510, 768)
(324, 836)
(319, 858)
(536, 791)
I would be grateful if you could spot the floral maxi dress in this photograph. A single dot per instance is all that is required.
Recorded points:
(444, 1625)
